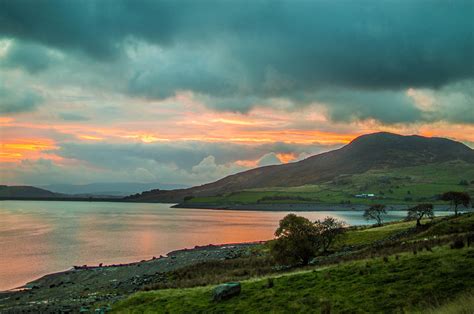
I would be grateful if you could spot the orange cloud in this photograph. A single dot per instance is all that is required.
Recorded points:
(23, 138)
(90, 137)
(247, 163)
(5, 120)
(286, 157)
(16, 150)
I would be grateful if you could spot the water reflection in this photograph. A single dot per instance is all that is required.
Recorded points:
(37, 238)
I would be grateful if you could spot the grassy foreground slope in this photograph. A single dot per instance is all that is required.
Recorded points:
(411, 273)
(391, 186)
(409, 282)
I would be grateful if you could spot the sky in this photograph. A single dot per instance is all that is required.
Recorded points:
(188, 92)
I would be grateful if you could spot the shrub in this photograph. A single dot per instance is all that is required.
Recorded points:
(420, 211)
(297, 240)
(270, 283)
(329, 230)
(285, 198)
(188, 198)
(300, 240)
(375, 212)
(456, 199)
(457, 244)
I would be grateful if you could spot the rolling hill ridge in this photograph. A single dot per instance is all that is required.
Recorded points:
(375, 151)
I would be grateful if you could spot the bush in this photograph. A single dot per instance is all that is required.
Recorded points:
(329, 230)
(300, 240)
(457, 244)
(270, 283)
(285, 198)
(376, 212)
(419, 211)
(297, 241)
(457, 199)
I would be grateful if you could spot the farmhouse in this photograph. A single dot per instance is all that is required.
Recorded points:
(369, 195)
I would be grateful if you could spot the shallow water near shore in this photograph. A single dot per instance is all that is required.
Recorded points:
(41, 237)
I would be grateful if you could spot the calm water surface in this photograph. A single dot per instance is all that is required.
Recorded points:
(37, 238)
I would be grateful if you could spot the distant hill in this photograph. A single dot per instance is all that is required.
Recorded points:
(26, 192)
(110, 188)
(367, 152)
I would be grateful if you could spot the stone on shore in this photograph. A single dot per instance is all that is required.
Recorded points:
(226, 291)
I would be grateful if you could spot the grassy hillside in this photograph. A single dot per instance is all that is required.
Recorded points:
(392, 186)
(414, 273)
(25, 191)
(409, 282)
(378, 151)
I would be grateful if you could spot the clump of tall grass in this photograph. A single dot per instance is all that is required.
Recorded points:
(214, 272)
(463, 304)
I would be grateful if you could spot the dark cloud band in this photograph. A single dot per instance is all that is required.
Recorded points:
(303, 45)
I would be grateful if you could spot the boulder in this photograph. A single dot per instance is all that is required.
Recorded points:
(226, 291)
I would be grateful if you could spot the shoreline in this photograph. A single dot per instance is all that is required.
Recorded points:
(289, 207)
(295, 207)
(172, 254)
(86, 285)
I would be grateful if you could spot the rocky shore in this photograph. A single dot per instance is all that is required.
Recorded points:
(92, 289)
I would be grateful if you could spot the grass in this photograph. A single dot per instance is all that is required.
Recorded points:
(392, 186)
(463, 304)
(439, 226)
(212, 272)
(370, 234)
(461, 224)
(409, 283)
(408, 275)
(258, 263)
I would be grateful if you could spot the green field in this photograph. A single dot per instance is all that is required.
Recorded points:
(390, 186)
(366, 235)
(429, 276)
(407, 283)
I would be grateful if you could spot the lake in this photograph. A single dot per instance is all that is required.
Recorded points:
(40, 237)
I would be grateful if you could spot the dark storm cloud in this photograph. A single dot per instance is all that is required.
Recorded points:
(282, 46)
(32, 58)
(15, 100)
(386, 106)
(455, 102)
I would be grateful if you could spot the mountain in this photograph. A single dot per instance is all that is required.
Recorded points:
(109, 189)
(26, 192)
(367, 152)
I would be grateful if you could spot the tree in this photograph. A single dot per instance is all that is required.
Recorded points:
(297, 240)
(420, 211)
(375, 212)
(456, 199)
(329, 230)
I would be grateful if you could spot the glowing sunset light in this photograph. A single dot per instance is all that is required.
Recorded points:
(232, 121)
(134, 107)
(5, 120)
(286, 157)
(10, 157)
(146, 138)
(247, 163)
(90, 137)
(15, 151)
(35, 145)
